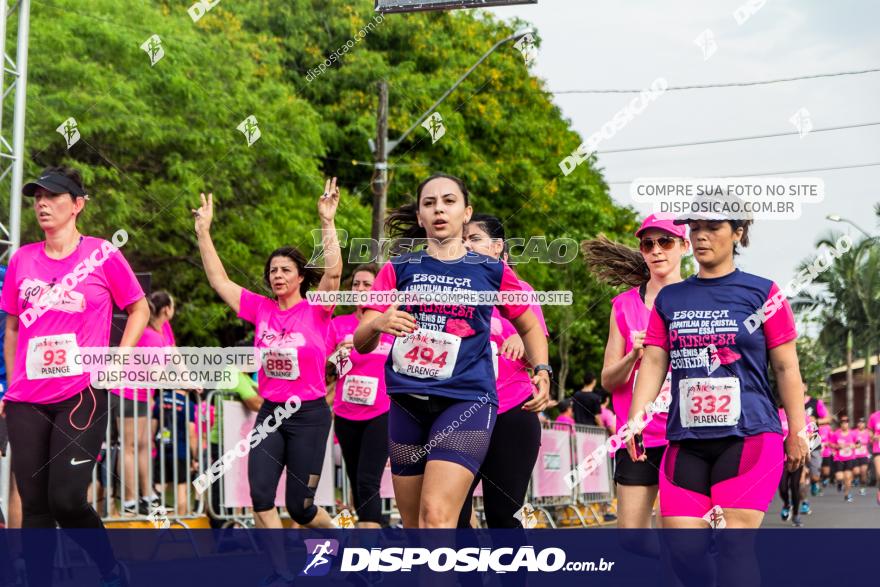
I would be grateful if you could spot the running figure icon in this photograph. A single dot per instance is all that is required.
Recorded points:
(320, 552)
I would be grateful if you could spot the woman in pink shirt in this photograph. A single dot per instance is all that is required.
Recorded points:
(874, 429)
(59, 295)
(360, 407)
(292, 336)
(843, 440)
(132, 407)
(566, 413)
(507, 472)
(863, 447)
(827, 453)
(657, 264)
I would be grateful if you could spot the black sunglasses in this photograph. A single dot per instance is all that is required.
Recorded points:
(646, 245)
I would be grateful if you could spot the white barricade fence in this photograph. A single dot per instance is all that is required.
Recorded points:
(238, 421)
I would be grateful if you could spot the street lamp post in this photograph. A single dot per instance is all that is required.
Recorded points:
(382, 146)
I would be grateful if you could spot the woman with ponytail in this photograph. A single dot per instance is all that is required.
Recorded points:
(440, 375)
(656, 264)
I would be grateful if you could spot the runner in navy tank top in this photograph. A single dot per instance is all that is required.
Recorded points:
(439, 375)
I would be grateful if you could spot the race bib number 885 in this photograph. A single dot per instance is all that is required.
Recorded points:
(708, 401)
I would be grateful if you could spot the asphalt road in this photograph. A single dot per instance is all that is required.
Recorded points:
(831, 511)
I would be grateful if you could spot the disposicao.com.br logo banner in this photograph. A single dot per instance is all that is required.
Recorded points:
(396, 559)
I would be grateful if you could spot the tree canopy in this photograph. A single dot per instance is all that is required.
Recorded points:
(154, 136)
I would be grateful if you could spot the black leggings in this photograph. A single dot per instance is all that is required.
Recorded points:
(53, 463)
(507, 469)
(790, 488)
(298, 444)
(364, 445)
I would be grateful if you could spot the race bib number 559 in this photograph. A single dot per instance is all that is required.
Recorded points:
(708, 401)
(426, 354)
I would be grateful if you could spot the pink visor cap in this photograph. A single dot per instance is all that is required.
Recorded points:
(664, 222)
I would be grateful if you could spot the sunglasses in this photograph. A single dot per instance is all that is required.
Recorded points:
(646, 245)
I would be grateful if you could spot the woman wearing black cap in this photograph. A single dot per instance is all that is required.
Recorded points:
(59, 294)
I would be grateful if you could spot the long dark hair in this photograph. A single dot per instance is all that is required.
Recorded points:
(310, 275)
(614, 263)
(492, 226)
(402, 222)
(158, 301)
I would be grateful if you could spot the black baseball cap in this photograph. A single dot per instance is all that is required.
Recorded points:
(55, 183)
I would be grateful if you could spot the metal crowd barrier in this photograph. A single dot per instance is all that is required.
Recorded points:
(227, 500)
(563, 447)
(113, 484)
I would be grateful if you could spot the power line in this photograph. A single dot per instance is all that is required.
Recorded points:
(723, 85)
(735, 139)
(857, 165)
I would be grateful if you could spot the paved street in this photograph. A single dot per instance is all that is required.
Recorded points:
(831, 511)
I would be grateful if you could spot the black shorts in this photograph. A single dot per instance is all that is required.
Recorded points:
(639, 473)
(861, 462)
(827, 461)
(840, 466)
(129, 407)
(171, 464)
(4, 436)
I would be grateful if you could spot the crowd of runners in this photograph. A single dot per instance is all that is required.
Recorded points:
(452, 393)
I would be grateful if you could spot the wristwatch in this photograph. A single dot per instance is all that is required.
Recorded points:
(543, 367)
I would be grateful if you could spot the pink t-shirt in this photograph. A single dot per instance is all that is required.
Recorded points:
(563, 419)
(513, 383)
(847, 444)
(150, 338)
(825, 435)
(355, 398)
(609, 420)
(298, 337)
(168, 333)
(631, 315)
(88, 282)
(864, 438)
(874, 426)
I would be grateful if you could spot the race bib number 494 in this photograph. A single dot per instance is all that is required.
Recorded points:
(708, 401)
(426, 354)
(53, 356)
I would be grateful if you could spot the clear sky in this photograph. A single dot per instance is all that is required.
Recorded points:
(603, 44)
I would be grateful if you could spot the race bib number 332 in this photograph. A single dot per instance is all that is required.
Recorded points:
(708, 401)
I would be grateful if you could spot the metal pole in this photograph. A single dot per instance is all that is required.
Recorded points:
(21, 65)
(380, 174)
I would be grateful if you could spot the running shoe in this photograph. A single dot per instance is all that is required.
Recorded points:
(814, 489)
(862, 491)
(849, 498)
(131, 508)
(825, 482)
(609, 517)
(785, 513)
(805, 508)
(797, 521)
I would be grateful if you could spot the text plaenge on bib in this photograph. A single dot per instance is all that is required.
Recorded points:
(63, 305)
(719, 369)
(360, 387)
(449, 354)
(294, 346)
